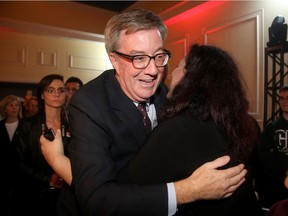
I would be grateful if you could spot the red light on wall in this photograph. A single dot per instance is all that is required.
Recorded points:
(193, 11)
(175, 6)
(2, 28)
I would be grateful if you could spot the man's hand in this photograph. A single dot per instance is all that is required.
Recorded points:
(55, 157)
(207, 182)
(51, 150)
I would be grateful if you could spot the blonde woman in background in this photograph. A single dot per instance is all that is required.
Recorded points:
(11, 112)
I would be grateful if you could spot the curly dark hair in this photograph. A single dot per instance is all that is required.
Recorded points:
(214, 90)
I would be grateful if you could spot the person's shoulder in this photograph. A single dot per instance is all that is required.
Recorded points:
(180, 121)
(30, 123)
(108, 74)
(95, 90)
(279, 122)
(274, 125)
(30, 119)
(98, 81)
(95, 83)
(2, 123)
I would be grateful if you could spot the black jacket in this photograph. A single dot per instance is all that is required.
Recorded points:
(107, 130)
(36, 170)
(11, 176)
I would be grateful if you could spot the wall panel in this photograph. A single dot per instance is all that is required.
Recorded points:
(243, 38)
(26, 58)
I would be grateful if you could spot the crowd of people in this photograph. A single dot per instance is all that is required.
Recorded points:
(32, 186)
(83, 149)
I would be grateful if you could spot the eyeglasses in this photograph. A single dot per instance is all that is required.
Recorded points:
(142, 61)
(52, 91)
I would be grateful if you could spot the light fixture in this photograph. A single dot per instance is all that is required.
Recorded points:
(278, 32)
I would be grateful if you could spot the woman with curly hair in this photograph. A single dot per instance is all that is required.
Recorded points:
(206, 116)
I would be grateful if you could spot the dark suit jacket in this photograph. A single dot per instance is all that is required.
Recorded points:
(107, 130)
(175, 149)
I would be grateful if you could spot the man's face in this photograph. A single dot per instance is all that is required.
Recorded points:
(32, 107)
(71, 88)
(138, 84)
(283, 100)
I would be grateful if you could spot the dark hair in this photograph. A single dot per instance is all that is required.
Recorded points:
(75, 80)
(31, 99)
(42, 86)
(213, 89)
(284, 88)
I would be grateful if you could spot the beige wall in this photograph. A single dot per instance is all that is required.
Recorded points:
(42, 37)
(241, 27)
(26, 58)
(63, 14)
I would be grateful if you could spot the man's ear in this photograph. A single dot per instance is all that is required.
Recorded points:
(113, 60)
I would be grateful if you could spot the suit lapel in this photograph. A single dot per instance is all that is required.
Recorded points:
(126, 110)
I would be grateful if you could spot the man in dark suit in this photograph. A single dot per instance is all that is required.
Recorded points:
(107, 129)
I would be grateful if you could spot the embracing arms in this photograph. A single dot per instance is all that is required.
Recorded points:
(207, 182)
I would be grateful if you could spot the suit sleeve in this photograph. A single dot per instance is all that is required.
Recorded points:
(94, 169)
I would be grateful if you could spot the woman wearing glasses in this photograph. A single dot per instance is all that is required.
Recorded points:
(41, 182)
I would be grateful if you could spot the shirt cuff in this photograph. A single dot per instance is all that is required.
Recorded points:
(172, 203)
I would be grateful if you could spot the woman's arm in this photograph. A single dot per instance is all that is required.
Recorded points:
(207, 182)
